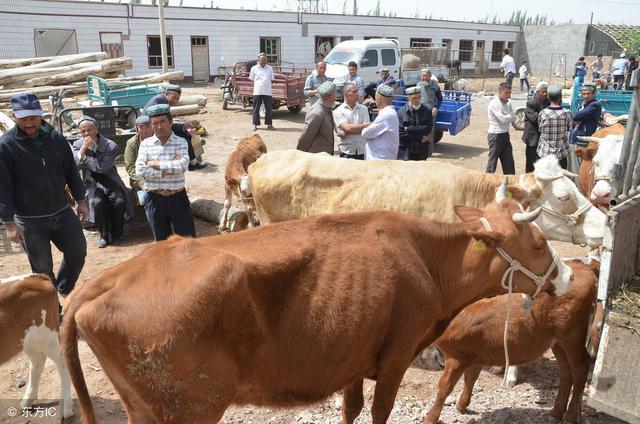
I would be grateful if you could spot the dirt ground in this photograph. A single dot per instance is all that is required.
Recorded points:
(528, 402)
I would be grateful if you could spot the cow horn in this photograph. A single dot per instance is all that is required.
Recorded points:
(501, 192)
(569, 174)
(589, 138)
(525, 217)
(548, 177)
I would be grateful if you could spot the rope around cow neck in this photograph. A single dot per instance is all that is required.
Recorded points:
(514, 266)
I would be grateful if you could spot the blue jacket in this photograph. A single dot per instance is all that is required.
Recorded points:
(33, 174)
(158, 99)
(587, 119)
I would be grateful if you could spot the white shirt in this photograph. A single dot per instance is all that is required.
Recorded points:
(619, 65)
(383, 135)
(508, 65)
(523, 71)
(170, 176)
(261, 78)
(352, 144)
(500, 116)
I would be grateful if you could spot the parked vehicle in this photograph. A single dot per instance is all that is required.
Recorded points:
(616, 102)
(287, 88)
(453, 116)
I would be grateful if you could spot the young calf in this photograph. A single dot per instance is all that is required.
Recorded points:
(474, 340)
(29, 323)
(236, 180)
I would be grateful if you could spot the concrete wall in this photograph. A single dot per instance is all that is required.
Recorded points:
(599, 42)
(232, 34)
(542, 41)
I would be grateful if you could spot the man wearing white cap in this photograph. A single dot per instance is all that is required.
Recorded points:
(416, 121)
(317, 135)
(382, 134)
(618, 69)
(262, 76)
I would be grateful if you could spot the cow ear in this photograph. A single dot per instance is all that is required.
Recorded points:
(467, 213)
(517, 193)
(488, 238)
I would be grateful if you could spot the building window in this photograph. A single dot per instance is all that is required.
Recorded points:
(111, 43)
(271, 47)
(388, 57)
(371, 58)
(420, 42)
(154, 51)
(496, 51)
(198, 41)
(466, 50)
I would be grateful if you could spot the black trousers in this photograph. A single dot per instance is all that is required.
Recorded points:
(65, 231)
(509, 78)
(181, 131)
(268, 105)
(500, 148)
(359, 157)
(405, 153)
(171, 211)
(109, 213)
(563, 163)
(531, 157)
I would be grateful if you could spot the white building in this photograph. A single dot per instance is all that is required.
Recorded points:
(202, 39)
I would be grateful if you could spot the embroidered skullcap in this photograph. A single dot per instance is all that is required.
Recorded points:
(174, 87)
(413, 90)
(326, 88)
(385, 90)
(157, 110)
(143, 120)
(85, 118)
(589, 87)
(554, 90)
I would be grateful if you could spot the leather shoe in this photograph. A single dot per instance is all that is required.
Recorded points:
(116, 241)
(270, 127)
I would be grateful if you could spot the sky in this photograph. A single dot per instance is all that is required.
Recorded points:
(605, 11)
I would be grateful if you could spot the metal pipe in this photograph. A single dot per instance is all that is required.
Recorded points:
(626, 165)
(163, 38)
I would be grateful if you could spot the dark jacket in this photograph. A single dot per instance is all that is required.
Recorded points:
(158, 99)
(414, 124)
(587, 119)
(103, 163)
(33, 174)
(531, 134)
(317, 135)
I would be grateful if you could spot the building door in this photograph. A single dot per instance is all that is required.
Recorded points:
(111, 43)
(200, 58)
(479, 59)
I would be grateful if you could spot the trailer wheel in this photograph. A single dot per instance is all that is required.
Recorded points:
(131, 118)
(437, 136)
(294, 109)
(263, 111)
(518, 123)
(225, 105)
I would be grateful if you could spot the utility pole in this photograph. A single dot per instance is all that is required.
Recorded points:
(163, 38)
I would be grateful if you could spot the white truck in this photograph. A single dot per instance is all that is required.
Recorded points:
(377, 53)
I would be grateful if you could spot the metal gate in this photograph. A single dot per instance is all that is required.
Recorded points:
(200, 58)
(615, 385)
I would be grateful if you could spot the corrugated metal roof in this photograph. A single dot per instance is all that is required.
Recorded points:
(619, 33)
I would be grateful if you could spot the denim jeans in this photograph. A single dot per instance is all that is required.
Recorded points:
(65, 231)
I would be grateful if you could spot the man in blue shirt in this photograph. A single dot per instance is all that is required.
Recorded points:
(586, 121)
(36, 163)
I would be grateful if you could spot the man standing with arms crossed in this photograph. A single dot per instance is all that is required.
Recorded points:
(350, 119)
(262, 75)
(36, 163)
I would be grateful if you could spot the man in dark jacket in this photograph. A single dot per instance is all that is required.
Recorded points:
(171, 97)
(36, 163)
(416, 121)
(586, 121)
(531, 135)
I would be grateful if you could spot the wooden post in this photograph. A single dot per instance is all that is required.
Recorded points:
(163, 38)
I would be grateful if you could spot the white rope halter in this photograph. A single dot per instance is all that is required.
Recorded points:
(514, 266)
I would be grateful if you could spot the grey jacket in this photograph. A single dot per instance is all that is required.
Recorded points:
(317, 135)
(102, 161)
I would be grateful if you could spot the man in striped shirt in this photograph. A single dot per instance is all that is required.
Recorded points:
(162, 162)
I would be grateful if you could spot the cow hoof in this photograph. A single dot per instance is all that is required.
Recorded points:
(556, 415)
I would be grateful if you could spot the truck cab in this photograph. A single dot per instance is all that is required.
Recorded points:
(370, 55)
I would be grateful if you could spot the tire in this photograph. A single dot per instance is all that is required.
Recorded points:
(518, 123)
(437, 136)
(294, 109)
(263, 111)
(131, 118)
(225, 105)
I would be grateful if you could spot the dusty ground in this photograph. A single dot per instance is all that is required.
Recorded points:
(526, 403)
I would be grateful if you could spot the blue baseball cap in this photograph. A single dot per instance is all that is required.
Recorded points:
(25, 104)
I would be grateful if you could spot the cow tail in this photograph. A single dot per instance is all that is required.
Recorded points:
(69, 342)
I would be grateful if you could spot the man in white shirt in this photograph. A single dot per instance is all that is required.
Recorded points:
(524, 74)
(262, 75)
(383, 134)
(350, 119)
(508, 66)
(618, 69)
(500, 116)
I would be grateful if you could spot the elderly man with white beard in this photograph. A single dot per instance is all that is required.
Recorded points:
(416, 122)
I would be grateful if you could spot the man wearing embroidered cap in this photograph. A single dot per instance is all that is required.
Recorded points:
(317, 135)
(416, 122)
(35, 165)
(383, 133)
(171, 97)
(107, 197)
(385, 78)
(162, 162)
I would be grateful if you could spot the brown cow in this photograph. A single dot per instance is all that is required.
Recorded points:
(29, 324)
(289, 313)
(248, 150)
(474, 339)
(586, 179)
